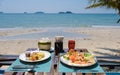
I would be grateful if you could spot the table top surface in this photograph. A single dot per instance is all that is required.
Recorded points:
(91, 69)
(42, 66)
(62, 67)
(45, 66)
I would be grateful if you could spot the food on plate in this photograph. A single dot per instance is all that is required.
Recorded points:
(35, 56)
(77, 57)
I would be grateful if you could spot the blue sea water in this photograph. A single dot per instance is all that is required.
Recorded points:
(54, 24)
(21, 20)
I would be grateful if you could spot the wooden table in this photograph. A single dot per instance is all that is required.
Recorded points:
(8, 59)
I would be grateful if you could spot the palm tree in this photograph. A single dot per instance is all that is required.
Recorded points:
(114, 4)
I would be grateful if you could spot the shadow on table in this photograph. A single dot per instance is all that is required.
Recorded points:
(107, 54)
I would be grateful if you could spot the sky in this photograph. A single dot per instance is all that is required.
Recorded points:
(49, 6)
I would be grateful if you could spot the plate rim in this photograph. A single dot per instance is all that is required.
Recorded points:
(49, 55)
(63, 60)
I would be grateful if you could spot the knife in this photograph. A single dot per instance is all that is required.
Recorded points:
(23, 67)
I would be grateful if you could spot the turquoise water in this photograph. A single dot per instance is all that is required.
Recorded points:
(20, 20)
(54, 24)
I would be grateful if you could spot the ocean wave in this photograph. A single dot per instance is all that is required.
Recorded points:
(105, 26)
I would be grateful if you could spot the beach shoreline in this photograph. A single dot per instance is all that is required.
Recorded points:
(101, 40)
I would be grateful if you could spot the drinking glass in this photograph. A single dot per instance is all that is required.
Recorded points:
(71, 44)
(58, 44)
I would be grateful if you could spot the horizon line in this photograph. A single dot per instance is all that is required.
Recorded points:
(52, 13)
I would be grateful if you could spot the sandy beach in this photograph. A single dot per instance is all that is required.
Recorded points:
(101, 41)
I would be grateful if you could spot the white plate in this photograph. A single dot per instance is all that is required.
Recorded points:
(68, 62)
(23, 57)
(51, 49)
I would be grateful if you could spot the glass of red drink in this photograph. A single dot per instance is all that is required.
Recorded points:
(71, 44)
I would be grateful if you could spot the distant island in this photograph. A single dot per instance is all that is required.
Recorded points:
(25, 13)
(40, 12)
(67, 12)
(1, 12)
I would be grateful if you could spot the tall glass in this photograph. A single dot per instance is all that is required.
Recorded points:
(58, 44)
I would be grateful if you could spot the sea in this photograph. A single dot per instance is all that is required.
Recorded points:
(22, 20)
(55, 23)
